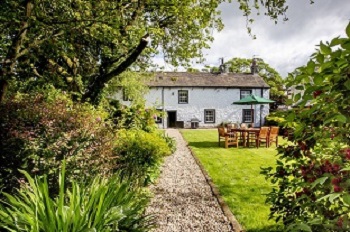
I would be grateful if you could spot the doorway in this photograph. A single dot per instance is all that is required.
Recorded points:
(171, 119)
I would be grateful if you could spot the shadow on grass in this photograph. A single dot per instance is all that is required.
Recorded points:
(210, 144)
(206, 144)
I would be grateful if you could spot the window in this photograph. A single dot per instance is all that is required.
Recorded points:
(245, 93)
(209, 116)
(183, 96)
(158, 118)
(248, 115)
(126, 96)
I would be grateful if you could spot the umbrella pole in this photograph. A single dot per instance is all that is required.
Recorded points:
(251, 108)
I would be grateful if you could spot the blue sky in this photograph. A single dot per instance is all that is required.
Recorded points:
(285, 45)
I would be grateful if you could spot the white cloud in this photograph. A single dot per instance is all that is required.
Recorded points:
(285, 45)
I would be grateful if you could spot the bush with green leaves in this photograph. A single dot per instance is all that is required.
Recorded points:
(312, 175)
(104, 204)
(138, 117)
(140, 154)
(39, 130)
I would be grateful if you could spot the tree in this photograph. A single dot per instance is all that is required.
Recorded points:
(80, 45)
(269, 74)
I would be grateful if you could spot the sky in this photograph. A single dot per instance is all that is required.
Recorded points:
(285, 45)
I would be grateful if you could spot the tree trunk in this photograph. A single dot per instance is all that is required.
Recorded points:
(9, 63)
(3, 88)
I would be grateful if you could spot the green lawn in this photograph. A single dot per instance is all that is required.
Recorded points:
(236, 173)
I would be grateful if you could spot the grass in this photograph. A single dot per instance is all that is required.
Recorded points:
(236, 173)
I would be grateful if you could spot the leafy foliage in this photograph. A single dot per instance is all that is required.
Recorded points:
(39, 130)
(133, 84)
(137, 117)
(81, 45)
(105, 204)
(269, 74)
(312, 190)
(140, 154)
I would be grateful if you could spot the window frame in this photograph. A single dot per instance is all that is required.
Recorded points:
(243, 115)
(125, 96)
(214, 115)
(244, 90)
(180, 96)
(158, 119)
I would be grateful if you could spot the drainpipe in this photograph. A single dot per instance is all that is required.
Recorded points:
(163, 106)
(261, 106)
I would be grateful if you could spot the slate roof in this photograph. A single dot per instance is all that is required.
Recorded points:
(202, 79)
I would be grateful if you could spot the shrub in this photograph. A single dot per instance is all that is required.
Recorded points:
(140, 153)
(137, 117)
(277, 118)
(312, 175)
(39, 130)
(171, 142)
(105, 204)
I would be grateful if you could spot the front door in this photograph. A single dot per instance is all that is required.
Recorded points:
(171, 119)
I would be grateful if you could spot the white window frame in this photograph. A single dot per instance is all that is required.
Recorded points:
(245, 93)
(182, 96)
(209, 118)
(247, 113)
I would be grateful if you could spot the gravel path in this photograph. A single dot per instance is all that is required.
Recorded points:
(183, 200)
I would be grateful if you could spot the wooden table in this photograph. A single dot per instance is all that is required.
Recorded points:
(244, 133)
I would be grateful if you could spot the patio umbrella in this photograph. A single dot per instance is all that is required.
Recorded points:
(253, 100)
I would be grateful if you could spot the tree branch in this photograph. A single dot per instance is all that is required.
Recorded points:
(97, 83)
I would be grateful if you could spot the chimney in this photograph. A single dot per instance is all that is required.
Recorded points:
(254, 67)
(223, 67)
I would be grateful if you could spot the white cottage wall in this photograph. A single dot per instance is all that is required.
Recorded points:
(199, 99)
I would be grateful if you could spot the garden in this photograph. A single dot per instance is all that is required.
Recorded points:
(68, 166)
(72, 158)
(308, 187)
(236, 174)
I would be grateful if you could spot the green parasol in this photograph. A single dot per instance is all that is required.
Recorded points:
(253, 100)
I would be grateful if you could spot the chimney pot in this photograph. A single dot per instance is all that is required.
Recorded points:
(254, 67)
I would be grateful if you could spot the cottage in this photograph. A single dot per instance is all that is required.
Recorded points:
(205, 99)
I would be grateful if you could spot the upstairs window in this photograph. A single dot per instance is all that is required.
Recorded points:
(209, 116)
(245, 93)
(183, 96)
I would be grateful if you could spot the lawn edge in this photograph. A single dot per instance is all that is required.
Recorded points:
(224, 207)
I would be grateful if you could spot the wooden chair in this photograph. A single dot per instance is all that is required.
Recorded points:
(251, 138)
(264, 136)
(244, 135)
(222, 134)
(273, 135)
(231, 139)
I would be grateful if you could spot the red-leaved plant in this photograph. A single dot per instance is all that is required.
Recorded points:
(312, 176)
